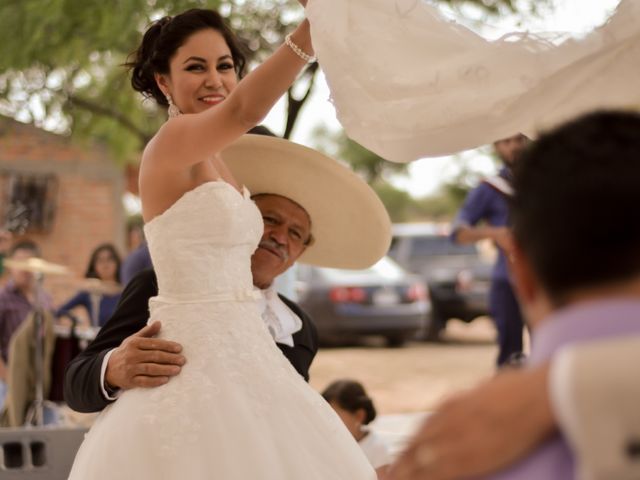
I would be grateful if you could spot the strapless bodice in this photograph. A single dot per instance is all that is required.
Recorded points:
(201, 246)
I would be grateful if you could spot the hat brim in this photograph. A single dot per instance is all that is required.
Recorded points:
(349, 223)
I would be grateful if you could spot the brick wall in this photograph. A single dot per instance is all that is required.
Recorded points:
(89, 196)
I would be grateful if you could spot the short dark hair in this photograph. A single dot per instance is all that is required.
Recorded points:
(350, 396)
(29, 245)
(165, 36)
(574, 190)
(105, 247)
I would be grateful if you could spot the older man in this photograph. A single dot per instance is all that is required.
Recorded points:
(349, 228)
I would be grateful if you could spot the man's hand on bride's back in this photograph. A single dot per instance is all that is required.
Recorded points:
(142, 360)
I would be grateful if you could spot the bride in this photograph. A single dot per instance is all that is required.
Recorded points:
(238, 410)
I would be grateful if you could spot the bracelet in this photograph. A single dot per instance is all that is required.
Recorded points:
(298, 51)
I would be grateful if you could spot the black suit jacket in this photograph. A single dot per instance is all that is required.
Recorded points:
(82, 377)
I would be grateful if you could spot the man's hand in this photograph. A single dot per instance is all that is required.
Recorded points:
(144, 361)
(482, 430)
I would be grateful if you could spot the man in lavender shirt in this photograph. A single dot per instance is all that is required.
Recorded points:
(576, 265)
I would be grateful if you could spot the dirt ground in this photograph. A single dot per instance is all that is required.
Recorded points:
(415, 377)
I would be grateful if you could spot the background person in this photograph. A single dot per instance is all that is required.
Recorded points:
(17, 299)
(356, 410)
(488, 203)
(104, 265)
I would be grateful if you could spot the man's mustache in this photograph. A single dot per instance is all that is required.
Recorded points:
(274, 247)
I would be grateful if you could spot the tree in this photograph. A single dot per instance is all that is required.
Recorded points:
(60, 61)
(371, 167)
(402, 207)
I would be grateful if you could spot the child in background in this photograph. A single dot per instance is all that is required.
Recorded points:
(352, 404)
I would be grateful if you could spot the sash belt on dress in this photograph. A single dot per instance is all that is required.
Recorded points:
(237, 295)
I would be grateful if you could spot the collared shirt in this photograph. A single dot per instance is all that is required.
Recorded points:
(280, 320)
(589, 320)
(14, 308)
(486, 202)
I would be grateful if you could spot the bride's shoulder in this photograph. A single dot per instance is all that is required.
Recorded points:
(160, 145)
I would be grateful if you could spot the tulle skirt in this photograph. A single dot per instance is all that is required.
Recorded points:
(237, 411)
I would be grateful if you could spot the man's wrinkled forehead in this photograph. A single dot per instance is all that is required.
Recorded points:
(274, 196)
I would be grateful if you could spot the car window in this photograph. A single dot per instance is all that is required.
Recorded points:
(439, 245)
(385, 268)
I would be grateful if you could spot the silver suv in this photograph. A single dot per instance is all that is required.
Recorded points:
(457, 276)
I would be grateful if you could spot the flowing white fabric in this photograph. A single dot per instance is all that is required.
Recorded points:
(407, 83)
(238, 410)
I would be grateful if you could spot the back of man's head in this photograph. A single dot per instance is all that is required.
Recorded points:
(26, 245)
(575, 208)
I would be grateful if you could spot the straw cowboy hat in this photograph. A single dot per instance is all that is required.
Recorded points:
(349, 224)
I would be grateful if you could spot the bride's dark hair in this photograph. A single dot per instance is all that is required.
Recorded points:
(164, 37)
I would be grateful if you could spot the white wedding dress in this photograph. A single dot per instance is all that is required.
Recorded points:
(238, 410)
(408, 83)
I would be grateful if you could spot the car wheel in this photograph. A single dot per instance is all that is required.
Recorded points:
(395, 341)
(436, 323)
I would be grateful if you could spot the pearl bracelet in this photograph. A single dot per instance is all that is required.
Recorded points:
(298, 51)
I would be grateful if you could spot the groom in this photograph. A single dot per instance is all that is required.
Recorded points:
(299, 221)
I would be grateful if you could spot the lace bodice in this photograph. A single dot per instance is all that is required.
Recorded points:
(201, 246)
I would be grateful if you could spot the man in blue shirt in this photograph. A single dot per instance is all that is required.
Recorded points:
(488, 203)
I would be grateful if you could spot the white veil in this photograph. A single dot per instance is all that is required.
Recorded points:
(407, 83)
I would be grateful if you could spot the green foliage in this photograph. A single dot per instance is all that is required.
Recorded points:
(61, 63)
(398, 203)
(444, 204)
(366, 163)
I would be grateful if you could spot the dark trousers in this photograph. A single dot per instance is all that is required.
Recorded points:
(506, 314)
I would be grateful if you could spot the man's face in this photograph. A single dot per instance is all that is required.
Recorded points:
(508, 149)
(287, 229)
(23, 280)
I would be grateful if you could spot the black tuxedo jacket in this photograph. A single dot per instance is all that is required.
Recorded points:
(82, 377)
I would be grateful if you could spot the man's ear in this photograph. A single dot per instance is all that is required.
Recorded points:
(523, 275)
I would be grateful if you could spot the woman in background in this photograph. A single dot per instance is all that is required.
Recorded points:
(101, 292)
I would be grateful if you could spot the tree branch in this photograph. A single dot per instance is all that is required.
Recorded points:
(294, 105)
(105, 111)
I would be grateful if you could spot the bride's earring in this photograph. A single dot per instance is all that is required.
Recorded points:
(173, 110)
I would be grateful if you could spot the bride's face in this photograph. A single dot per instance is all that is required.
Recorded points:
(201, 72)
